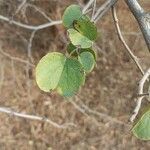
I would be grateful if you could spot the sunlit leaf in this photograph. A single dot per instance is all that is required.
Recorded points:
(78, 39)
(142, 128)
(73, 12)
(87, 60)
(56, 72)
(49, 70)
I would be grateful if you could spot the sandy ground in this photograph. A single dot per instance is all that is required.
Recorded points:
(108, 93)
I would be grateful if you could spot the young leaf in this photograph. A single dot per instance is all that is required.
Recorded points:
(72, 78)
(49, 70)
(73, 12)
(87, 60)
(142, 128)
(78, 39)
(86, 28)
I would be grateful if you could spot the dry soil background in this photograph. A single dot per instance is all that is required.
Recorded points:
(109, 90)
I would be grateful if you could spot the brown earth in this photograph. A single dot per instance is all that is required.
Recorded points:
(109, 90)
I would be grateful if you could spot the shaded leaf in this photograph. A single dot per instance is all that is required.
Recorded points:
(78, 39)
(71, 49)
(72, 78)
(87, 60)
(142, 128)
(86, 28)
(73, 12)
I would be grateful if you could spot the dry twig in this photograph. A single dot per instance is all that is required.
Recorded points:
(134, 58)
(33, 117)
(140, 92)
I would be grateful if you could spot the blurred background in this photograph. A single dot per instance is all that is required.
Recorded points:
(100, 109)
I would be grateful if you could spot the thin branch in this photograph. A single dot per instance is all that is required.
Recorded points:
(16, 58)
(30, 27)
(134, 58)
(140, 92)
(83, 109)
(40, 11)
(142, 18)
(33, 117)
(87, 6)
(103, 9)
(93, 11)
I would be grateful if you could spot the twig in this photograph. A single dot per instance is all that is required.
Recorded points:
(16, 58)
(33, 117)
(87, 6)
(2, 75)
(102, 115)
(93, 11)
(40, 11)
(83, 108)
(103, 9)
(30, 27)
(140, 92)
(134, 58)
(20, 7)
(30, 46)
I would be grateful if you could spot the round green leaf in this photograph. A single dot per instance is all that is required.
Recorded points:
(78, 39)
(89, 50)
(55, 71)
(72, 78)
(87, 60)
(49, 70)
(86, 28)
(71, 13)
(142, 128)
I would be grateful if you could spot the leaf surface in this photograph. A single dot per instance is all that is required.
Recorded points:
(142, 128)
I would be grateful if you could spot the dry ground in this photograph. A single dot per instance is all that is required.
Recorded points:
(110, 89)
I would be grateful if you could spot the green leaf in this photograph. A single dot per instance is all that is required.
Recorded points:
(86, 28)
(72, 78)
(73, 12)
(142, 128)
(71, 49)
(89, 50)
(78, 39)
(87, 60)
(49, 70)
(56, 72)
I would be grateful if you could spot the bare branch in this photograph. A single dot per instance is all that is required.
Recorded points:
(33, 117)
(103, 9)
(16, 58)
(134, 58)
(140, 92)
(87, 6)
(30, 27)
(142, 18)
